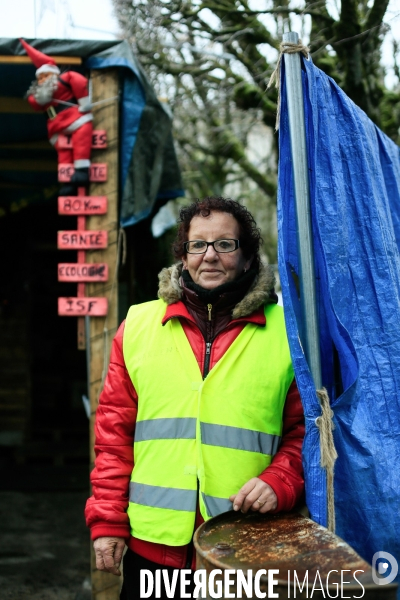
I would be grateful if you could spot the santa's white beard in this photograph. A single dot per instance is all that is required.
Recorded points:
(50, 84)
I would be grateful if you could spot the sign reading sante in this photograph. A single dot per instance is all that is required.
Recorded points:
(82, 240)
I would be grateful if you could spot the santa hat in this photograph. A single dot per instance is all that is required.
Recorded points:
(45, 63)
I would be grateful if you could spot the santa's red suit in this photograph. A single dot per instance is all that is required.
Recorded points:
(54, 92)
(69, 120)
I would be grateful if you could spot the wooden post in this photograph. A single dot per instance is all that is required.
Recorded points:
(104, 85)
(81, 286)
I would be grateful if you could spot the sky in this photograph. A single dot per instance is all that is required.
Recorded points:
(66, 19)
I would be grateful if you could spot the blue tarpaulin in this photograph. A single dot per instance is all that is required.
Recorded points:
(354, 175)
(150, 174)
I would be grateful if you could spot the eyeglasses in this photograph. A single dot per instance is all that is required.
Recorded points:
(201, 246)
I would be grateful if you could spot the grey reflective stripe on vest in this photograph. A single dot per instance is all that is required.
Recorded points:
(165, 429)
(215, 506)
(239, 438)
(162, 497)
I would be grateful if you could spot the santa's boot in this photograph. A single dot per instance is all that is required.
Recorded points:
(80, 178)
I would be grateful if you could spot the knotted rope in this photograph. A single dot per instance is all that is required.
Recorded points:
(328, 451)
(284, 48)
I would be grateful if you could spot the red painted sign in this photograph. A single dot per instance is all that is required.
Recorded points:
(79, 307)
(99, 140)
(98, 172)
(82, 272)
(82, 240)
(82, 205)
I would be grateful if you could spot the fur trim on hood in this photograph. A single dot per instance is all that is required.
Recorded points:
(261, 291)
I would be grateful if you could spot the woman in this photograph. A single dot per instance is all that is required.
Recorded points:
(201, 384)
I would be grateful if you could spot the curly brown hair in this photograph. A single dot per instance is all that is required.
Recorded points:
(250, 234)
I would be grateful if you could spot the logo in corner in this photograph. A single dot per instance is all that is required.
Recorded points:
(384, 568)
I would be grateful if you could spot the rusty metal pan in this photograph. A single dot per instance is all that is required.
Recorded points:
(291, 544)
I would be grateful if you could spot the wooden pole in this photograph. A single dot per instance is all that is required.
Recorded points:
(104, 85)
(81, 286)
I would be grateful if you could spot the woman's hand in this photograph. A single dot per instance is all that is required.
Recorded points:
(255, 495)
(108, 552)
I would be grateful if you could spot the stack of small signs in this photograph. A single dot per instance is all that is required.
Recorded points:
(82, 239)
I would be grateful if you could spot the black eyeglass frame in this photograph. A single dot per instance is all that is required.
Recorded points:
(237, 244)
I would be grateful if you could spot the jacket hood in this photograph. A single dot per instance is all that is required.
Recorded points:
(261, 291)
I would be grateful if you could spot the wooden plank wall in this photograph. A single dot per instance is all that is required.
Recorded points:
(104, 85)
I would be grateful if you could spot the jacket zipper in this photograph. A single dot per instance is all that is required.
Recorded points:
(208, 347)
(207, 359)
(209, 308)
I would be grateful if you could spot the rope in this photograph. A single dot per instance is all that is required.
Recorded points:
(284, 48)
(121, 245)
(65, 103)
(328, 451)
(105, 100)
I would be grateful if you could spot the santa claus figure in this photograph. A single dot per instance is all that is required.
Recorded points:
(66, 100)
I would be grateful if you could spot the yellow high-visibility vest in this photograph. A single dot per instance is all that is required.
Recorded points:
(198, 438)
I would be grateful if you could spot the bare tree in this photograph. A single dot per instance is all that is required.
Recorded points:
(212, 60)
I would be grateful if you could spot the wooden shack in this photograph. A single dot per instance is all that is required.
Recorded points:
(44, 371)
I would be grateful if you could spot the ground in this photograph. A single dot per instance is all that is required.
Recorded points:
(44, 546)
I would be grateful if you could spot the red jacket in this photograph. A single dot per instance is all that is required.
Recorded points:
(115, 426)
(72, 86)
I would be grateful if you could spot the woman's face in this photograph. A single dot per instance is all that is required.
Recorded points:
(212, 269)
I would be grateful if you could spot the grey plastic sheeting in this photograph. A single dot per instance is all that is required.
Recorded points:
(354, 173)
